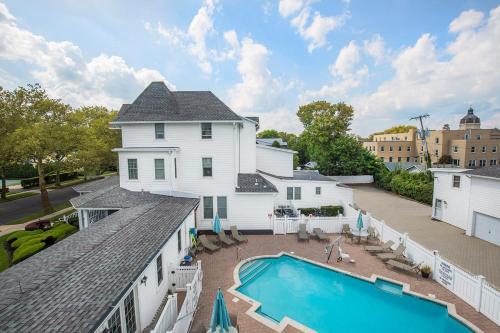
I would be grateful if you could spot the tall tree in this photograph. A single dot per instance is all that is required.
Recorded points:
(36, 138)
(323, 124)
(95, 140)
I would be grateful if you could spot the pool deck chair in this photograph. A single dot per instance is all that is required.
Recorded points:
(320, 234)
(303, 234)
(397, 254)
(404, 267)
(345, 229)
(224, 239)
(380, 248)
(239, 238)
(206, 244)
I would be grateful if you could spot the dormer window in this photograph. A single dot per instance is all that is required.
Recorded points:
(206, 130)
(160, 131)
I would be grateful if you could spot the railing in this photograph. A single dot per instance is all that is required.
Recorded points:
(180, 276)
(65, 218)
(290, 225)
(170, 321)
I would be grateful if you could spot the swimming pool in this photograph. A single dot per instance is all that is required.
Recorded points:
(327, 300)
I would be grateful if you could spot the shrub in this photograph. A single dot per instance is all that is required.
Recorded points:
(4, 255)
(49, 179)
(332, 210)
(417, 186)
(74, 221)
(21, 233)
(26, 251)
(29, 242)
(21, 240)
(308, 211)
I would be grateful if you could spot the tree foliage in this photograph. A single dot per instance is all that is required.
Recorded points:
(397, 129)
(417, 186)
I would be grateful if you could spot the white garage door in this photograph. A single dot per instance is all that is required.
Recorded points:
(487, 228)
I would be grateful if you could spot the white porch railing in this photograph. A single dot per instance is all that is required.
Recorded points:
(188, 278)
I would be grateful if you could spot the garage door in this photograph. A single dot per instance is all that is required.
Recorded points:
(487, 228)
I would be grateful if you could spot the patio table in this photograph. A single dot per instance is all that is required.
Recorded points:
(359, 233)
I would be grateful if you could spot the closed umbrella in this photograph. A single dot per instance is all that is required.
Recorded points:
(217, 227)
(220, 321)
(359, 225)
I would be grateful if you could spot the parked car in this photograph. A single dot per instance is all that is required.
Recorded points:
(40, 224)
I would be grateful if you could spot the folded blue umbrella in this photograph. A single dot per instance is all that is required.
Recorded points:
(359, 224)
(217, 226)
(220, 315)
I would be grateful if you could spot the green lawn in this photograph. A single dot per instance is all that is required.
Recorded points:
(40, 214)
(4, 255)
(19, 195)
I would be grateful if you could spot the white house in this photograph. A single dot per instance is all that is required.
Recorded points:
(191, 144)
(469, 200)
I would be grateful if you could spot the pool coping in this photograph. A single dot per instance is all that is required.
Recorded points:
(279, 327)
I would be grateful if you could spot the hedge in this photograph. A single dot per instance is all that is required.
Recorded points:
(324, 210)
(4, 255)
(416, 186)
(26, 251)
(21, 233)
(49, 179)
(32, 240)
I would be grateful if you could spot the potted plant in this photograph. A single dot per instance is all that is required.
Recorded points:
(425, 271)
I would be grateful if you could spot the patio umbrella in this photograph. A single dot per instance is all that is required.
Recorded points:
(359, 224)
(217, 227)
(220, 321)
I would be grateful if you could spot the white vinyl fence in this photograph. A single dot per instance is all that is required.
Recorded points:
(473, 289)
(188, 279)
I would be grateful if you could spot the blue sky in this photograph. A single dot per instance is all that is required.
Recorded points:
(389, 59)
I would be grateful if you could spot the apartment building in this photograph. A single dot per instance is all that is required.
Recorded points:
(470, 146)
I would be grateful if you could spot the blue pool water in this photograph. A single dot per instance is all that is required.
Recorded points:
(329, 301)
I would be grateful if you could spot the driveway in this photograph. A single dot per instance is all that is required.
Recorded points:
(472, 254)
(13, 210)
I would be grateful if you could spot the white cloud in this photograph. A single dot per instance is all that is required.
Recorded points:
(346, 61)
(312, 28)
(280, 119)
(375, 48)
(61, 68)
(194, 39)
(467, 20)
(5, 14)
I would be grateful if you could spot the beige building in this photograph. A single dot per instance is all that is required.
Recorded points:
(469, 146)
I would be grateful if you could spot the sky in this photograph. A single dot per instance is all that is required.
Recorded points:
(390, 60)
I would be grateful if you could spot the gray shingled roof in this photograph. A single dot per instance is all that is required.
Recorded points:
(114, 197)
(302, 175)
(158, 103)
(253, 182)
(491, 171)
(72, 286)
(97, 184)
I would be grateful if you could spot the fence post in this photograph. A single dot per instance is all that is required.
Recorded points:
(286, 225)
(479, 292)
(273, 217)
(369, 218)
(404, 238)
(435, 268)
(382, 227)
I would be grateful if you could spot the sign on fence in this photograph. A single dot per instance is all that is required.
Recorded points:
(445, 274)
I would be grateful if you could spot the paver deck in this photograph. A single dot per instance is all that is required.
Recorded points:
(218, 272)
(472, 254)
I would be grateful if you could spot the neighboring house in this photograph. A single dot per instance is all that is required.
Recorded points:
(410, 167)
(470, 146)
(191, 144)
(270, 141)
(469, 200)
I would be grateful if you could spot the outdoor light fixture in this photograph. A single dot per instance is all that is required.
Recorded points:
(144, 279)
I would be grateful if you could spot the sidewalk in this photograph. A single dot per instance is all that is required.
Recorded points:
(5, 229)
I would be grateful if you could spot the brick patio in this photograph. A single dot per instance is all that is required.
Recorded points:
(218, 272)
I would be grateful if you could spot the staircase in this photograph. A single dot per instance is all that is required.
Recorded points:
(252, 269)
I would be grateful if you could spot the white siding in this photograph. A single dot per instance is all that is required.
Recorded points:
(484, 199)
(331, 194)
(455, 200)
(150, 295)
(247, 148)
(275, 161)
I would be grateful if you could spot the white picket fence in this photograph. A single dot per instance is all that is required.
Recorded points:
(473, 289)
(189, 279)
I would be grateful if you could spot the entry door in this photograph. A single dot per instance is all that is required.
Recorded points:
(487, 228)
(438, 209)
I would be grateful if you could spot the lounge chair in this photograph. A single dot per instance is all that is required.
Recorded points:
(345, 229)
(380, 248)
(206, 244)
(404, 267)
(320, 234)
(397, 254)
(350, 236)
(303, 234)
(372, 233)
(224, 239)
(239, 238)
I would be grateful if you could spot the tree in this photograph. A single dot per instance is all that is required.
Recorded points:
(95, 140)
(445, 159)
(397, 129)
(36, 138)
(276, 144)
(268, 134)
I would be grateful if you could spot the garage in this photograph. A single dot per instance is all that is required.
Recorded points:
(487, 228)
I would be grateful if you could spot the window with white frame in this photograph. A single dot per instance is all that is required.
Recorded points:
(399, 158)
(208, 207)
(483, 149)
(206, 130)
(391, 148)
(160, 131)
(390, 159)
(478, 137)
(456, 181)
(132, 168)
(159, 269)
(455, 149)
(207, 166)
(159, 169)
(179, 241)
(382, 148)
(466, 136)
(129, 307)
(175, 167)
(222, 207)
(408, 148)
(437, 140)
(407, 159)
(473, 149)
(115, 322)
(472, 163)
(456, 162)
(493, 162)
(436, 152)
(318, 190)
(482, 163)
(400, 148)
(293, 193)
(494, 149)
